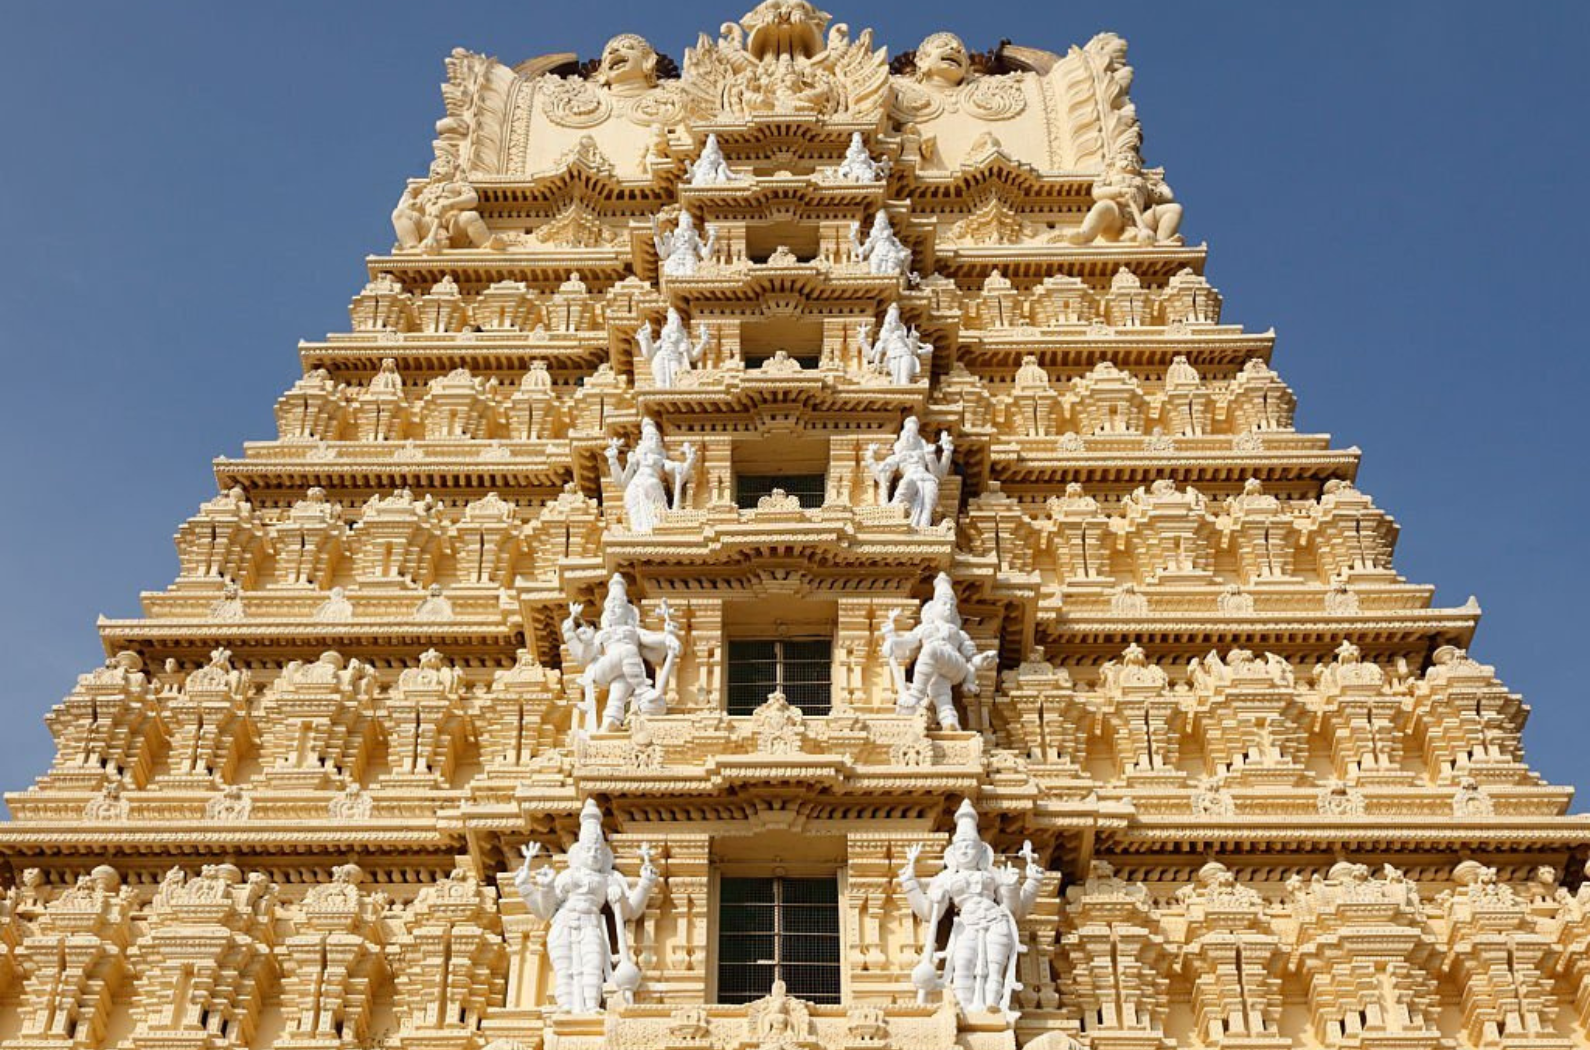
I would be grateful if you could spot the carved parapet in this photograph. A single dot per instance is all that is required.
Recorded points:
(1113, 960)
(604, 401)
(1061, 299)
(210, 722)
(486, 541)
(109, 727)
(309, 541)
(1265, 535)
(398, 540)
(1146, 720)
(1235, 959)
(332, 963)
(78, 962)
(572, 308)
(1189, 298)
(381, 409)
(1501, 961)
(1108, 401)
(205, 965)
(1170, 532)
(1366, 725)
(225, 541)
(13, 967)
(1257, 400)
(506, 306)
(383, 306)
(449, 961)
(1248, 716)
(458, 405)
(430, 724)
(322, 723)
(1080, 538)
(1362, 946)
(1128, 304)
(1353, 536)
(1466, 724)
(569, 529)
(522, 715)
(534, 411)
(313, 409)
(442, 309)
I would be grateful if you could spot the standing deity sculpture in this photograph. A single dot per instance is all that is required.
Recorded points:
(435, 214)
(943, 656)
(573, 901)
(683, 251)
(882, 251)
(858, 165)
(898, 349)
(645, 477)
(1130, 203)
(615, 655)
(711, 169)
(979, 961)
(919, 468)
(671, 353)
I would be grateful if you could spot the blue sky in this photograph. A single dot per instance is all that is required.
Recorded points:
(1398, 188)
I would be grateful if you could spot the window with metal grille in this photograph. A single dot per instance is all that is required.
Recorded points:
(778, 929)
(800, 668)
(808, 488)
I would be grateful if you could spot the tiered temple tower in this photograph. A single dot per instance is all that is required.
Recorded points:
(788, 554)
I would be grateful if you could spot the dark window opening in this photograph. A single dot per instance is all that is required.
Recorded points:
(778, 929)
(801, 669)
(808, 488)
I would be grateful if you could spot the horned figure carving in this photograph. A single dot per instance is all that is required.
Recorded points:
(978, 964)
(583, 960)
(615, 657)
(942, 656)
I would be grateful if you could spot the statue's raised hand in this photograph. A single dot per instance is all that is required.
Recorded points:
(648, 871)
(530, 852)
(912, 852)
(575, 608)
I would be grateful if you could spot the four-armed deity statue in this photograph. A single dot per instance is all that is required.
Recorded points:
(577, 902)
(650, 481)
(944, 656)
(919, 468)
(978, 963)
(711, 169)
(898, 350)
(858, 165)
(683, 251)
(615, 656)
(671, 353)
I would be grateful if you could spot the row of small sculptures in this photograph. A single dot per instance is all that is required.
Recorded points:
(1131, 204)
(618, 656)
(898, 351)
(908, 475)
(977, 964)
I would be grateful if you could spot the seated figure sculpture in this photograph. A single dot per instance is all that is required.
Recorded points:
(683, 251)
(882, 251)
(711, 169)
(858, 165)
(1132, 204)
(919, 469)
(898, 349)
(440, 212)
(943, 655)
(979, 962)
(615, 656)
(643, 478)
(671, 353)
(574, 901)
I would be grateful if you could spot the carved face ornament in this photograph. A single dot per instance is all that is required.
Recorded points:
(942, 59)
(628, 62)
(785, 27)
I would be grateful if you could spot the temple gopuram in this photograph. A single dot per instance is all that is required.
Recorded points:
(788, 554)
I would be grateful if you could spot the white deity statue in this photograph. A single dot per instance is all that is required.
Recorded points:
(941, 653)
(979, 961)
(710, 169)
(683, 251)
(920, 470)
(671, 353)
(646, 476)
(1132, 204)
(439, 212)
(898, 349)
(858, 165)
(573, 901)
(881, 251)
(615, 656)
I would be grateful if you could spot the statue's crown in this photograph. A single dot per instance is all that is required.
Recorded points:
(966, 823)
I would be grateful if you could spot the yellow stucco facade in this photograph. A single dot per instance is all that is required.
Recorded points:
(788, 554)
